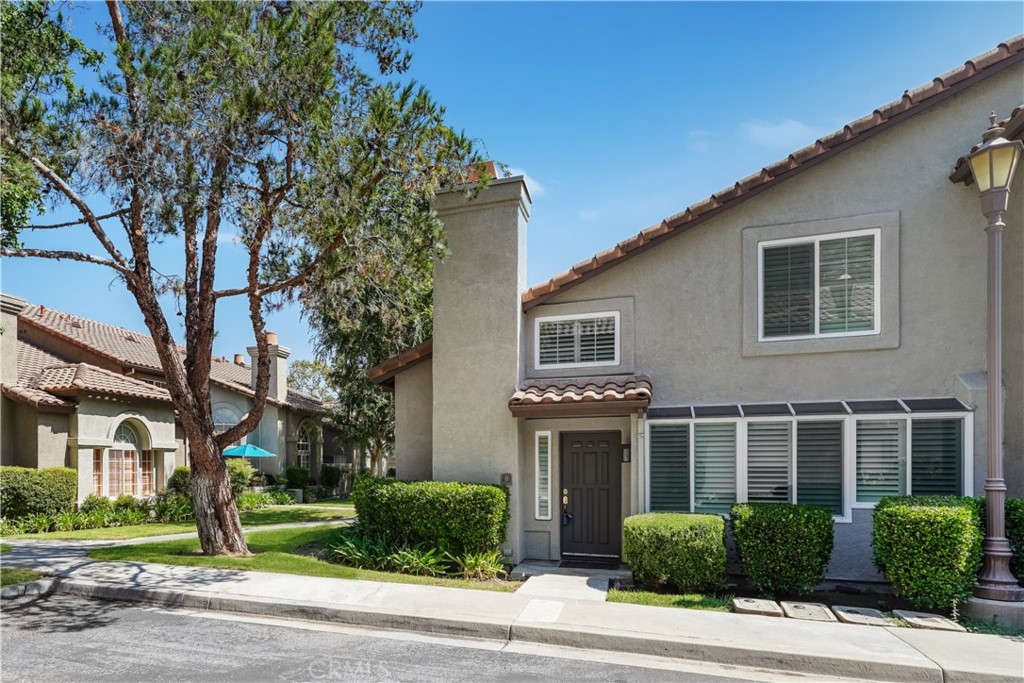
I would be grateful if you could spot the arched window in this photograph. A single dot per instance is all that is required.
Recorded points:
(304, 447)
(129, 469)
(224, 418)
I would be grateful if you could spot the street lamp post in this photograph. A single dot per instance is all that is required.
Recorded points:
(992, 165)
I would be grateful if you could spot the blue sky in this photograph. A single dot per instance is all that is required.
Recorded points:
(619, 113)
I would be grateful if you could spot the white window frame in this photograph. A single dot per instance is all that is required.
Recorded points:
(536, 487)
(849, 458)
(816, 240)
(576, 316)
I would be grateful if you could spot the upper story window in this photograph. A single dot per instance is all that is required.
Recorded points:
(571, 341)
(224, 418)
(820, 286)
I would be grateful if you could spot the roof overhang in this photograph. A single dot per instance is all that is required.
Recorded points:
(582, 397)
(1013, 129)
(384, 374)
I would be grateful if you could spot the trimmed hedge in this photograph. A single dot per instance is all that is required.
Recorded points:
(180, 481)
(1015, 532)
(928, 549)
(298, 477)
(330, 476)
(785, 547)
(27, 491)
(687, 551)
(453, 517)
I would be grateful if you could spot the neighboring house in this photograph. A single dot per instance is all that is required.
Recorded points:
(813, 334)
(82, 394)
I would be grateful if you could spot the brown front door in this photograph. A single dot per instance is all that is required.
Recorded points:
(591, 476)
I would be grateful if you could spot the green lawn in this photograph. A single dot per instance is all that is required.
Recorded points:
(13, 575)
(4, 548)
(275, 551)
(711, 603)
(278, 514)
(344, 501)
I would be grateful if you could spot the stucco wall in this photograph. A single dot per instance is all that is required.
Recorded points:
(26, 435)
(8, 455)
(477, 317)
(542, 538)
(414, 411)
(52, 439)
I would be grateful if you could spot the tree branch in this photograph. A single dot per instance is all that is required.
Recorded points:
(58, 255)
(80, 221)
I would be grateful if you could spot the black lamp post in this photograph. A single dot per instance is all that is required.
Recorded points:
(992, 165)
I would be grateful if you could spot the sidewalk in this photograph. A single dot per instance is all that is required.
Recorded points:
(786, 645)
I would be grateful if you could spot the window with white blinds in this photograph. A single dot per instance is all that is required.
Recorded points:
(543, 475)
(769, 448)
(714, 456)
(936, 458)
(822, 286)
(819, 464)
(669, 468)
(881, 459)
(571, 341)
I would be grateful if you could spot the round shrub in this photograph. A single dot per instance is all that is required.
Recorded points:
(26, 491)
(450, 516)
(687, 551)
(94, 503)
(298, 477)
(126, 501)
(785, 548)
(330, 476)
(240, 472)
(180, 481)
(931, 554)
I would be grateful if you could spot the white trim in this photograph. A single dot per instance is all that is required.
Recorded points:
(816, 240)
(576, 316)
(849, 462)
(536, 479)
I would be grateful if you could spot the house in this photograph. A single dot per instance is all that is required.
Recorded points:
(83, 394)
(815, 333)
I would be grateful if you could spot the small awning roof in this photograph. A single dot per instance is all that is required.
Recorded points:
(579, 397)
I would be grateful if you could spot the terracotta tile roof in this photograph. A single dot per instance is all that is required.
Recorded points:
(134, 349)
(32, 362)
(634, 390)
(912, 102)
(1013, 129)
(384, 374)
(89, 379)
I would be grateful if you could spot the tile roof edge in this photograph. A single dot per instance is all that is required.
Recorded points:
(12, 392)
(382, 373)
(913, 102)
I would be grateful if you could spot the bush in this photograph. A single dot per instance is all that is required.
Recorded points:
(785, 548)
(180, 481)
(686, 551)
(330, 476)
(254, 501)
(93, 504)
(930, 553)
(37, 523)
(26, 491)
(11, 527)
(171, 506)
(128, 502)
(450, 516)
(69, 521)
(297, 477)
(1015, 532)
(313, 493)
(480, 566)
(240, 472)
(281, 498)
(976, 502)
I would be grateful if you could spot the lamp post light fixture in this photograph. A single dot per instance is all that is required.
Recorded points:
(992, 165)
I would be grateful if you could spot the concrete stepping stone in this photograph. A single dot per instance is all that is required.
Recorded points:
(810, 611)
(925, 620)
(860, 615)
(764, 608)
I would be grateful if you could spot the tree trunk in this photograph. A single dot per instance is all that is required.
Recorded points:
(220, 531)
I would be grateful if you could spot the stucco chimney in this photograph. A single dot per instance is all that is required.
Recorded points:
(278, 368)
(239, 359)
(10, 307)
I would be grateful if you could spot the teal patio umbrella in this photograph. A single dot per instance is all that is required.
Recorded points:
(248, 451)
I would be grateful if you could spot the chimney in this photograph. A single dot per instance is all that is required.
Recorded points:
(278, 368)
(239, 359)
(10, 307)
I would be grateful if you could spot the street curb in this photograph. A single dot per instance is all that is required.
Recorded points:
(693, 650)
(308, 611)
(40, 587)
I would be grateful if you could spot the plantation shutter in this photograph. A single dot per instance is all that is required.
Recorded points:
(788, 286)
(670, 468)
(936, 457)
(881, 459)
(544, 475)
(557, 342)
(768, 451)
(714, 451)
(846, 284)
(819, 465)
(597, 340)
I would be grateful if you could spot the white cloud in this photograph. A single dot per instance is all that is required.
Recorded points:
(699, 141)
(536, 189)
(589, 215)
(788, 134)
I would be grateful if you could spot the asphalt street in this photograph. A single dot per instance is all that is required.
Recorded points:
(69, 639)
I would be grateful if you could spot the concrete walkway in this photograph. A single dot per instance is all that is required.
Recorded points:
(549, 580)
(814, 649)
